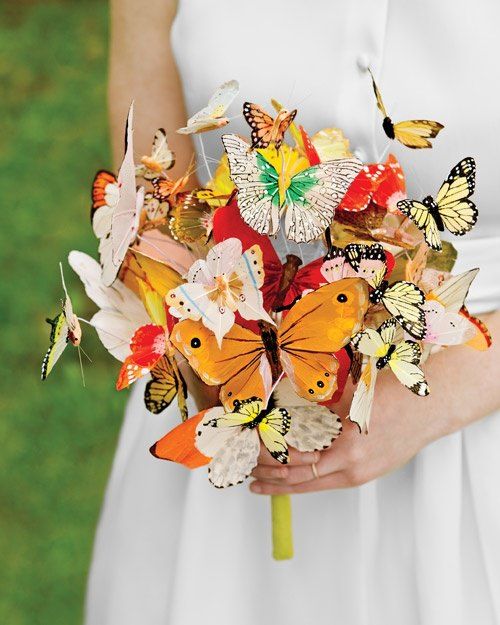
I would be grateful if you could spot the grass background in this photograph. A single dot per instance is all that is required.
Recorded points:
(57, 437)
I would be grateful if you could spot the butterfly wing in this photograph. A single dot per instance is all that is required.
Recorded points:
(239, 365)
(191, 220)
(415, 133)
(404, 301)
(390, 186)
(312, 427)
(148, 345)
(453, 292)
(313, 196)
(362, 400)
(257, 183)
(459, 214)
(404, 364)
(422, 218)
(178, 445)
(378, 96)
(260, 123)
(317, 326)
(126, 213)
(211, 116)
(285, 119)
(234, 449)
(105, 195)
(272, 430)
(58, 340)
(166, 383)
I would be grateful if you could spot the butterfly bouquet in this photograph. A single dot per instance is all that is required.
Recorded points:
(293, 269)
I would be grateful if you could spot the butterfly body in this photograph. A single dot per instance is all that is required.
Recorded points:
(388, 127)
(383, 361)
(434, 211)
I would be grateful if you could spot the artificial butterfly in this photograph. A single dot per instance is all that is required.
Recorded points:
(105, 196)
(283, 283)
(227, 282)
(380, 183)
(403, 300)
(265, 129)
(166, 189)
(126, 213)
(152, 352)
(308, 202)
(65, 328)
(229, 442)
(445, 325)
(120, 312)
(380, 351)
(317, 326)
(413, 133)
(212, 116)
(156, 210)
(160, 160)
(452, 209)
(191, 220)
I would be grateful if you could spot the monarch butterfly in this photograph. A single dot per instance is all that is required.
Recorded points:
(265, 129)
(414, 133)
(452, 209)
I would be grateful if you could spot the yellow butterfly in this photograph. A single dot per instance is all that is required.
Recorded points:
(414, 133)
(452, 209)
(379, 350)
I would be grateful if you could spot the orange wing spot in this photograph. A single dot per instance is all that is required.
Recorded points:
(178, 445)
(101, 181)
(482, 339)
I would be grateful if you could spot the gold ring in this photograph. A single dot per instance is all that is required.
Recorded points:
(314, 469)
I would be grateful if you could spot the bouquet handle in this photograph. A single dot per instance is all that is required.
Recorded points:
(281, 512)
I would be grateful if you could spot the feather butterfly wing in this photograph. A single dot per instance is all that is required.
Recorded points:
(313, 196)
(166, 383)
(319, 325)
(257, 183)
(239, 365)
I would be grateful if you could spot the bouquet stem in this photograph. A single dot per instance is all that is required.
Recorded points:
(281, 511)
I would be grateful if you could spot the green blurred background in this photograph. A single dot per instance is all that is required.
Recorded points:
(57, 437)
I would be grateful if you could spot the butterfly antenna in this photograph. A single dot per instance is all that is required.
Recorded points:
(81, 366)
(204, 156)
(62, 280)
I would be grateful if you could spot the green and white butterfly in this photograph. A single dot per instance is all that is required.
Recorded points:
(65, 328)
(308, 203)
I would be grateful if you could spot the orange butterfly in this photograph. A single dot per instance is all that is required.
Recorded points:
(265, 129)
(246, 364)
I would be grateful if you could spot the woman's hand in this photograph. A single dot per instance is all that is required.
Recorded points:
(464, 387)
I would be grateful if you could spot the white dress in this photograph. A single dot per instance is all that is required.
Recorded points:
(421, 545)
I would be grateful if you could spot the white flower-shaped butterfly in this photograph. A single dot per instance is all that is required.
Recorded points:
(226, 282)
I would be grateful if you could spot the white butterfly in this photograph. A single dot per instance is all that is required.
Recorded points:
(403, 359)
(161, 159)
(126, 214)
(121, 311)
(445, 326)
(212, 116)
(308, 203)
